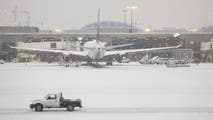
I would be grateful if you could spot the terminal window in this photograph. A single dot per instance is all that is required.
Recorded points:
(53, 45)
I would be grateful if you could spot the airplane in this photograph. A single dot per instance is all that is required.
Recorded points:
(96, 50)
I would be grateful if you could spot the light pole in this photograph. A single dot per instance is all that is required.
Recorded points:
(125, 11)
(131, 8)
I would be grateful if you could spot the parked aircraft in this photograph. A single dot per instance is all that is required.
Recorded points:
(95, 50)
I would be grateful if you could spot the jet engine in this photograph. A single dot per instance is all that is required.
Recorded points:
(118, 58)
(66, 58)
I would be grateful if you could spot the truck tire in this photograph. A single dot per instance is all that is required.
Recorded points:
(70, 107)
(38, 107)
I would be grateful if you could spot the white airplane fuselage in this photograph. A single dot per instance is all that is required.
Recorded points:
(95, 49)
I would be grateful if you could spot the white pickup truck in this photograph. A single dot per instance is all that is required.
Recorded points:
(55, 101)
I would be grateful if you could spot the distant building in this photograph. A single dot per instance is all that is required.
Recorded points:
(18, 29)
(207, 51)
(207, 29)
(171, 29)
(110, 26)
(112, 33)
(206, 46)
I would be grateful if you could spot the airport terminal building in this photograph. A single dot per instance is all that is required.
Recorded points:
(112, 33)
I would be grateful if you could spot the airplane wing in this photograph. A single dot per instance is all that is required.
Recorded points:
(79, 53)
(122, 52)
(117, 46)
(81, 46)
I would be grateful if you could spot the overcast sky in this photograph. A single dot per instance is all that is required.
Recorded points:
(68, 14)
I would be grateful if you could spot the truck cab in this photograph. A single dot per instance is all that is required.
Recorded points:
(51, 100)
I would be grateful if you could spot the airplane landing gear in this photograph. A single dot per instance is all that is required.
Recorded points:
(89, 62)
(67, 65)
(108, 63)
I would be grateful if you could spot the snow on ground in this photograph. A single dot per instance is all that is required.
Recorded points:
(122, 91)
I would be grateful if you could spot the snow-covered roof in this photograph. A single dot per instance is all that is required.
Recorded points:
(107, 25)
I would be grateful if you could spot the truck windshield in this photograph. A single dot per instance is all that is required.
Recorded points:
(50, 96)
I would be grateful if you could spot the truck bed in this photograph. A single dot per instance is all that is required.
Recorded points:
(74, 102)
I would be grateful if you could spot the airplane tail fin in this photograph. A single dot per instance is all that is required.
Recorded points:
(98, 26)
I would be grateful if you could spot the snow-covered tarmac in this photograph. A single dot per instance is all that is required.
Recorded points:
(123, 91)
